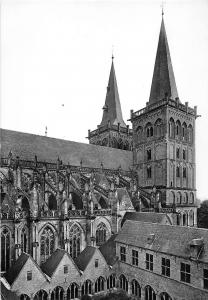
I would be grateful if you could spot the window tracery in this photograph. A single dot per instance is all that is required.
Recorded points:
(75, 241)
(5, 249)
(47, 244)
(101, 234)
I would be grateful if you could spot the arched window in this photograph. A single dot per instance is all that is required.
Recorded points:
(191, 218)
(111, 281)
(184, 131)
(190, 134)
(41, 295)
(192, 198)
(99, 285)
(178, 129)
(123, 283)
(25, 204)
(149, 293)
(52, 203)
(184, 219)
(179, 198)
(24, 297)
(149, 130)
(24, 240)
(139, 133)
(158, 128)
(87, 288)
(178, 171)
(178, 216)
(171, 128)
(165, 296)
(57, 293)
(184, 172)
(73, 291)
(135, 288)
(186, 197)
(75, 240)
(5, 249)
(101, 233)
(114, 143)
(105, 142)
(47, 244)
(149, 172)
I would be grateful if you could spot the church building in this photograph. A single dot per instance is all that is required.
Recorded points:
(64, 197)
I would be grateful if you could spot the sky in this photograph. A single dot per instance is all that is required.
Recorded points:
(56, 58)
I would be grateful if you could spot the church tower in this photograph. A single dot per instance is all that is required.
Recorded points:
(164, 142)
(112, 131)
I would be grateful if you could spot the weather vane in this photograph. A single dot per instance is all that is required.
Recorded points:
(162, 6)
(112, 52)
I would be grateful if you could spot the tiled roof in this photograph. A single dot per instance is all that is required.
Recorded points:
(7, 294)
(108, 250)
(26, 146)
(171, 239)
(163, 80)
(52, 262)
(84, 258)
(151, 217)
(112, 111)
(15, 269)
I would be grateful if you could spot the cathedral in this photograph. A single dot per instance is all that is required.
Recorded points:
(61, 195)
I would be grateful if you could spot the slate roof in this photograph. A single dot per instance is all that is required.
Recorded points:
(52, 262)
(151, 217)
(15, 269)
(108, 250)
(7, 294)
(26, 146)
(170, 239)
(84, 258)
(113, 111)
(163, 80)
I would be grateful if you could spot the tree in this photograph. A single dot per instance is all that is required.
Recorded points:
(202, 215)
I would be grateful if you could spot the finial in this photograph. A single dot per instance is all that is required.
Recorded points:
(162, 6)
(46, 131)
(112, 54)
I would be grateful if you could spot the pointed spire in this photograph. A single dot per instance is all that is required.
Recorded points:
(112, 109)
(163, 81)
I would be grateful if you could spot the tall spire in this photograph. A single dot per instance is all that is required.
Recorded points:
(163, 81)
(112, 109)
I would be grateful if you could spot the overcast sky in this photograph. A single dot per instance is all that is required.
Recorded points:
(59, 52)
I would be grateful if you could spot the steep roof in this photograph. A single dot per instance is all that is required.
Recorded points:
(108, 250)
(151, 217)
(15, 269)
(163, 80)
(26, 146)
(52, 262)
(84, 258)
(171, 239)
(112, 108)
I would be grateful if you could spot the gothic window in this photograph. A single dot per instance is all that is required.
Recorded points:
(184, 172)
(177, 152)
(171, 128)
(191, 198)
(179, 198)
(190, 134)
(24, 241)
(158, 127)
(149, 154)
(184, 154)
(111, 282)
(139, 131)
(99, 285)
(149, 293)
(41, 295)
(57, 293)
(178, 129)
(135, 288)
(87, 288)
(149, 130)
(5, 249)
(75, 241)
(178, 171)
(123, 283)
(184, 131)
(72, 291)
(149, 172)
(47, 244)
(52, 203)
(101, 233)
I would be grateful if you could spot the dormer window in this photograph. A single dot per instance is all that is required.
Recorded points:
(29, 275)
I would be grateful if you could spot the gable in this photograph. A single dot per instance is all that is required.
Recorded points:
(100, 270)
(73, 273)
(22, 285)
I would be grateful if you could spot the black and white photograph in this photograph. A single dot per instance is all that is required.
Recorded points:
(103, 160)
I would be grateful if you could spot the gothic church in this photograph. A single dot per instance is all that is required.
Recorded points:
(63, 194)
